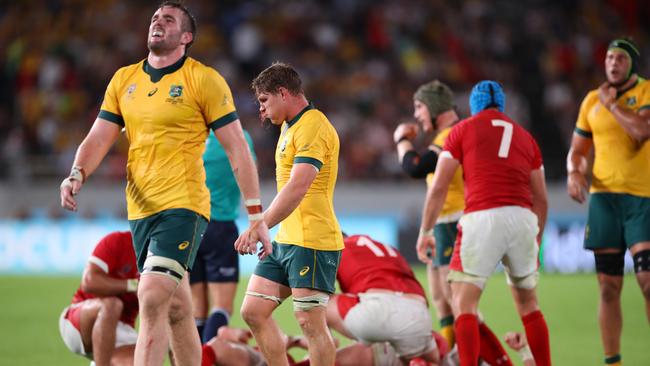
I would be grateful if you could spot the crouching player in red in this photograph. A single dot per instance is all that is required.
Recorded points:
(99, 324)
(505, 212)
(382, 301)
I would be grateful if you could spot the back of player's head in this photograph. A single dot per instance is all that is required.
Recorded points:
(487, 94)
(437, 96)
(189, 22)
(278, 75)
(631, 50)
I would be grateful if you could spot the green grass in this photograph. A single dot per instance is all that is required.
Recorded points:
(31, 305)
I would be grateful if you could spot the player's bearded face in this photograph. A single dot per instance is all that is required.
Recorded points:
(164, 31)
(617, 67)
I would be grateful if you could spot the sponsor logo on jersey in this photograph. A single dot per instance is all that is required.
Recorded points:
(304, 271)
(284, 145)
(131, 89)
(183, 245)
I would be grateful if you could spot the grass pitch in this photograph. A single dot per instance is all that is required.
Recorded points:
(31, 306)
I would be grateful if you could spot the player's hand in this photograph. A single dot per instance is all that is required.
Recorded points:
(408, 130)
(69, 188)
(515, 340)
(577, 186)
(260, 233)
(425, 244)
(235, 335)
(606, 94)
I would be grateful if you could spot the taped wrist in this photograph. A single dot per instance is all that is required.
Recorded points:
(610, 263)
(418, 166)
(525, 353)
(254, 208)
(641, 261)
(77, 173)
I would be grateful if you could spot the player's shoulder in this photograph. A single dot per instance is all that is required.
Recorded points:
(127, 71)
(198, 68)
(591, 98)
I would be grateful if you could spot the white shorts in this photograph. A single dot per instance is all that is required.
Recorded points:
(504, 234)
(124, 334)
(391, 317)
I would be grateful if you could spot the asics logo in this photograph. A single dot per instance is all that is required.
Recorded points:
(304, 271)
(152, 92)
(183, 245)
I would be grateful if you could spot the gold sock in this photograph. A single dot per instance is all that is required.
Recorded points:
(447, 332)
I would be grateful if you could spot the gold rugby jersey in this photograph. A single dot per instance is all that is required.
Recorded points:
(167, 114)
(455, 202)
(621, 165)
(310, 138)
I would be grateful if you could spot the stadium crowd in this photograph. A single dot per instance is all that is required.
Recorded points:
(361, 60)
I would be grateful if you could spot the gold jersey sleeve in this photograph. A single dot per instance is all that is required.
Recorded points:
(621, 165)
(166, 114)
(310, 139)
(455, 202)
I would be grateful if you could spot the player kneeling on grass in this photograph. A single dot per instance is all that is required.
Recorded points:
(99, 324)
(382, 301)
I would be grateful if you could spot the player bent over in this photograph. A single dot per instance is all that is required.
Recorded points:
(99, 324)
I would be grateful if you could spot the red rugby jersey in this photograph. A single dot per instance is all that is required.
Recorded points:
(497, 156)
(369, 264)
(115, 255)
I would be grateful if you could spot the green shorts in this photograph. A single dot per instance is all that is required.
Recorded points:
(298, 267)
(174, 234)
(445, 235)
(617, 220)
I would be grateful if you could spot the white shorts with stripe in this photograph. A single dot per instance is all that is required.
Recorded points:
(124, 334)
(503, 234)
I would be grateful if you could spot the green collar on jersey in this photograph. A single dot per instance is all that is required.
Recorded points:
(621, 92)
(156, 74)
(297, 117)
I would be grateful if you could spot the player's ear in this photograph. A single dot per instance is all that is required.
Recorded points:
(186, 38)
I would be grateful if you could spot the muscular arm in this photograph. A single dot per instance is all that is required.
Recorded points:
(540, 199)
(95, 146)
(97, 282)
(231, 137)
(302, 175)
(636, 125)
(577, 166)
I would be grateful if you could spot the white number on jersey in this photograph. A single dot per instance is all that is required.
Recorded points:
(506, 138)
(376, 249)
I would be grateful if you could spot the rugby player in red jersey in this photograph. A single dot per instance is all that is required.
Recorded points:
(99, 324)
(505, 211)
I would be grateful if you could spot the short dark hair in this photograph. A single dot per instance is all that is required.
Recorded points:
(189, 23)
(278, 75)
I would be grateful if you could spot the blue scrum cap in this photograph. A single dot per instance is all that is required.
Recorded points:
(487, 94)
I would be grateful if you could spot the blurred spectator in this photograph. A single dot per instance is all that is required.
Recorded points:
(360, 59)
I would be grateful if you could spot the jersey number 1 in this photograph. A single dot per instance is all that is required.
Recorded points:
(376, 249)
(506, 138)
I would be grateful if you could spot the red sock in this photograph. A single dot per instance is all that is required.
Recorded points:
(208, 357)
(467, 339)
(538, 338)
(492, 351)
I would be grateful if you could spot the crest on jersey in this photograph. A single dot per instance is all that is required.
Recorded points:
(631, 101)
(175, 91)
(284, 145)
(131, 89)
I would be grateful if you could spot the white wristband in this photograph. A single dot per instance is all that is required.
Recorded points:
(132, 285)
(255, 217)
(424, 233)
(253, 202)
(525, 353)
